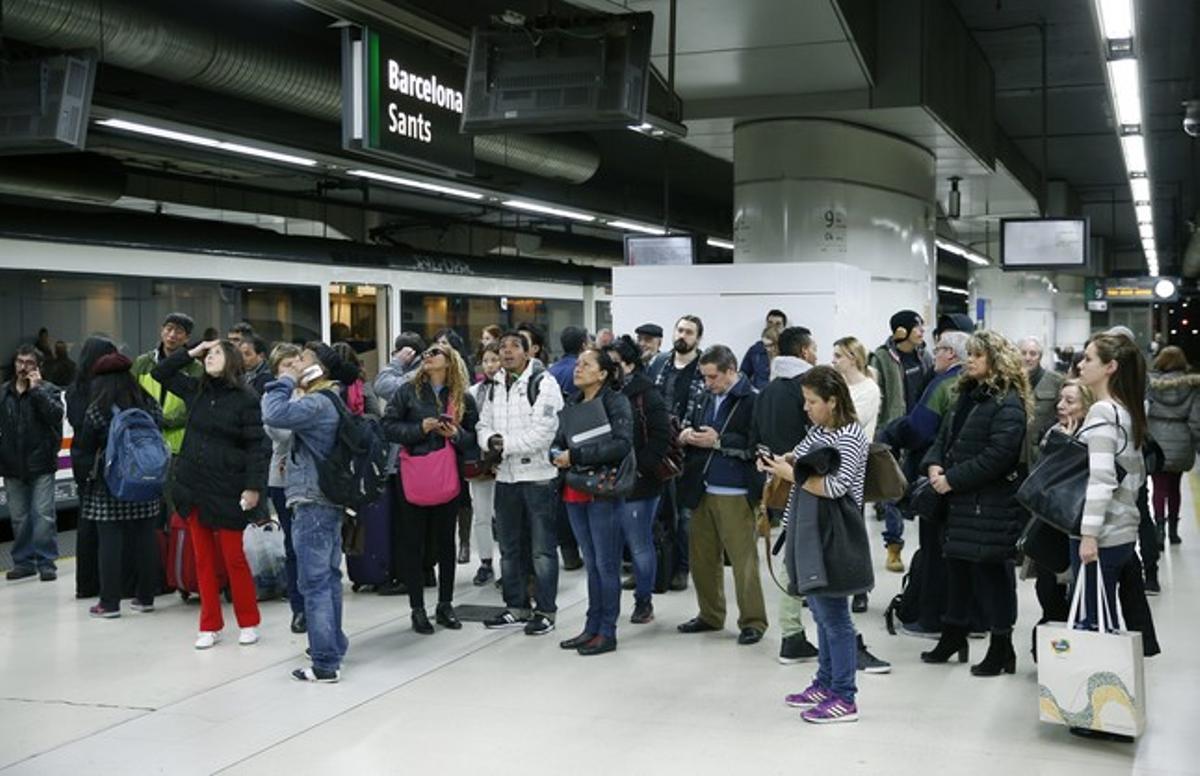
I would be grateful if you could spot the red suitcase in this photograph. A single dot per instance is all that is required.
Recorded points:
(181, 561)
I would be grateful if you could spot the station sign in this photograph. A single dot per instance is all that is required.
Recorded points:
(1134, 290)
(403, 102)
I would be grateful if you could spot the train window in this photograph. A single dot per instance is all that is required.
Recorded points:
(426, 313)
(358, 316)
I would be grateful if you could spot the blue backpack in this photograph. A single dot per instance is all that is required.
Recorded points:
(136, 459)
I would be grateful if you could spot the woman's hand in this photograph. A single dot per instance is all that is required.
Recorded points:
(203, 348)
(249, 499)
(1071, 426)
(938, 481)
(776, 466)
(1089, 550)
(563, 460)
(935, 471)
(447, 430)
(430, 425)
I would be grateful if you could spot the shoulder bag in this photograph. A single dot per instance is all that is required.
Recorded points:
(885, 480)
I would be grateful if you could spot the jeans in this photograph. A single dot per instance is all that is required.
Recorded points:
(121, 538)
(597, 527)
(317, 536)
(837, 645)
(683, 532)
(1111, 561)
(284, 513)
(31, 508)
(893, 523)
(637, 527)
(526, 513)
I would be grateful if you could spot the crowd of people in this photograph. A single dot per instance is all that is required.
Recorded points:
(616, 450)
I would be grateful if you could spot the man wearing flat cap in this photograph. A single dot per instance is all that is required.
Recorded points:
(176, 329)
(649, 340)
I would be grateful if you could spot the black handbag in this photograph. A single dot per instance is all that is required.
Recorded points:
(927, 502)
(1057, 487)
(1044, 544)
(605, 480)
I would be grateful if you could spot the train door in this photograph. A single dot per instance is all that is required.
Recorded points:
(359, 316)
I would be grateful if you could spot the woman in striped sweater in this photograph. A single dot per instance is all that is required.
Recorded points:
(1114, 429)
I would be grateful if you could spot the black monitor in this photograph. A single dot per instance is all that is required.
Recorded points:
(1043, 243)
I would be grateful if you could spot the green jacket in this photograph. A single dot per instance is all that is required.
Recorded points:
(1044, 415)
(174, 409)
(900, 392)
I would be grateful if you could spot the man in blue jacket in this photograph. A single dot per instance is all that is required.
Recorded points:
(756, 364)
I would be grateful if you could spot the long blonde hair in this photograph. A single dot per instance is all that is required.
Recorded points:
(857, 353)
(456, 381)
(1006, 372)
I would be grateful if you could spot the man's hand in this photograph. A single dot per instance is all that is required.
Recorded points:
(705, 437)
(34, 376)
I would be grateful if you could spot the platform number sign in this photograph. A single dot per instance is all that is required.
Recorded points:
(833, 230)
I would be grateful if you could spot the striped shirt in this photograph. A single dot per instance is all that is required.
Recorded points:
(1110, 511)
(851, 474)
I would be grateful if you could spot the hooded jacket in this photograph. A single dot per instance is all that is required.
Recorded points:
(780, 421)
(527, 429)
(1174, 417)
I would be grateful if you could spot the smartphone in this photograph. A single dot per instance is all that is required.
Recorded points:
(764, 452)
(446, 418)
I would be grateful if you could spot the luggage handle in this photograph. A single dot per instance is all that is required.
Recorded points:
(1106, 621)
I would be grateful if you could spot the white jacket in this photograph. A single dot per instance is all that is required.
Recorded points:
(527, 431)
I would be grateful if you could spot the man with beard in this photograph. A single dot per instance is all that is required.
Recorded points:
(677, 376)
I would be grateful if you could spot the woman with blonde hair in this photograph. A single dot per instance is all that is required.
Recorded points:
(433, 418)
(974, 466)
(850, 360)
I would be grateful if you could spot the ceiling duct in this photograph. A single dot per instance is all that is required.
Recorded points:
(139, 37)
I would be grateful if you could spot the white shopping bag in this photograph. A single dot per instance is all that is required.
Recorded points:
(266, 555)
(1092, 679)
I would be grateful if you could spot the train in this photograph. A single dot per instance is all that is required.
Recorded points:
(78, 274)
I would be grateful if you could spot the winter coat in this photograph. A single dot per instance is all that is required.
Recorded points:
(1046, 385)
(1174, 417)
(651, 428)
(258, 377)
(606, 451)
(225, 450)
(411, 405)
(900, 389)
(528, 430)
(733, 464)
(30, 430)
(756, 365)
(981, 460)
(780, 421)
(665, 376)
(90, 443)
(313, 420)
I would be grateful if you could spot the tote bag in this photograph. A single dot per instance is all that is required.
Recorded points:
(1057, 487)
(885, 480)
(1091, 679)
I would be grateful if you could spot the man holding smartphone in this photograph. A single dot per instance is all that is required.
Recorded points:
(31, 418)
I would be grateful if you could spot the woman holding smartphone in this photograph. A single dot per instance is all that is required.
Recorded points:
(433, 418)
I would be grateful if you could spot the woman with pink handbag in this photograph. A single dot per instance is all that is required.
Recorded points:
(433, 418)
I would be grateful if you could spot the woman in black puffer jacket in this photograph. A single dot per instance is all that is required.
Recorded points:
(651, 429)
(974, 465)
(219, 478)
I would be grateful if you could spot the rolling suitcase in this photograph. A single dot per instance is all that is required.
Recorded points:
(181, 561)
(373, 566)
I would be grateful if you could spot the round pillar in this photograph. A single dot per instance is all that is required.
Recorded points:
(819, 190)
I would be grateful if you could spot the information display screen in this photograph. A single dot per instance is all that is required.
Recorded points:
(405, 102)
(1043, 243)
(657, 251)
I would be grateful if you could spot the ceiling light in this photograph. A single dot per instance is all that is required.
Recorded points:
(723, 244)
(1127, 91)
(658, 128)
(953, 290)
(534, 207)
(412, 183)
(1146, 231)
(630, 226)
(1116, 18)
(205, 142)
(1144, 213)
(1152, 255)
(1140, 188)
(961, 250)
(1134, 148)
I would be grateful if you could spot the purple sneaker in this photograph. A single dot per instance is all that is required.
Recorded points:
(832, 710)
(815, 695)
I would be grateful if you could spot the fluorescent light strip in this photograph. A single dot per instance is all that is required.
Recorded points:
(723, 244)
(1145, 213)
(1140, 188)
(953, 290)
(1116, 18)
(205, 142)
(630, 226)
(961, 250)
(415, 184)
(1146, 231)
(534, 207)
(1127, 90)
(1134, 148)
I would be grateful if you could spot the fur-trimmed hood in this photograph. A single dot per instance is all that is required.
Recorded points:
(1172, 388)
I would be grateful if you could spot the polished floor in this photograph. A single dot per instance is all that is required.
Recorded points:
(131, 696)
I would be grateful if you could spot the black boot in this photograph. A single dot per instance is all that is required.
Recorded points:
(420, 622)
(1160, 532)
(1000, 657)
(953, 640)
(1173, 527)
(446, 617)
(1152, 585)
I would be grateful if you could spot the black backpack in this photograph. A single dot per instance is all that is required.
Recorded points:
(354, 474)
(906, 605)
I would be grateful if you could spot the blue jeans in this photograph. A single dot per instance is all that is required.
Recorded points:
(1111, 561)
(284, 513)
(837, 645)
(526, 514)
(597, 528)
(893, 523)
(31, 508)
(317, 538)
(637, 526)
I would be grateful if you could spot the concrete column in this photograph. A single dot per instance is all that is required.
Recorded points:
(818, 190)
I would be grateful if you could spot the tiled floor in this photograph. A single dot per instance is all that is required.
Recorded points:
(131, 696)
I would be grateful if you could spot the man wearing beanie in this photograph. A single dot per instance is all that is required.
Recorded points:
(176, 329)
(904, 369)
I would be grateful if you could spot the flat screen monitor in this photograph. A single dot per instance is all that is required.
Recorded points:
(652, 251)
(1043, 243)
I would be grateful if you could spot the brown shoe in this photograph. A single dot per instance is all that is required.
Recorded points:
(894, 561)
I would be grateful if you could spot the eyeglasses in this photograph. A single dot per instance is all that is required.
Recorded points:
(26, 362)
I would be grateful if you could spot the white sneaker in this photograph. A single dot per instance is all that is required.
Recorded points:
(207, 638)
(248, 636)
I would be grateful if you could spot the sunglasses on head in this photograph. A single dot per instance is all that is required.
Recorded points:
(434, 352)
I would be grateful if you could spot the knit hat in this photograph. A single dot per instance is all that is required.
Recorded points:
(182, 320)
(331, 362)
(111, 363)
(907, 320)
(954, 322)
(649, 330)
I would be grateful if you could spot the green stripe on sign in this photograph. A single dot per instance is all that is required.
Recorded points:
(373, 89)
